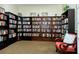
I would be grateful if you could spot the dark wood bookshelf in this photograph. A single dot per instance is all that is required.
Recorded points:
(12, 27)
(20, 28)
(40, 27)
(26, 28)
(56, 27)
(68, 21)
(3, 30)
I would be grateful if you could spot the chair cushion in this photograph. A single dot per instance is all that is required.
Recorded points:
(69, 38)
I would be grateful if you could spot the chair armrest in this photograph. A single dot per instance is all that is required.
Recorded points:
(59, 39)
(63, 46)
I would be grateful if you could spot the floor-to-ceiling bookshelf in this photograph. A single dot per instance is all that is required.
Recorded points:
(46, 28)
(19, 28)
(68, 21)
(36, 28)
(3, 30)
(56, 27)
(12, 19)
(26, 30)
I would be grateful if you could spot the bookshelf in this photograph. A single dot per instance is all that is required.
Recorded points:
(41, 27)
(26, 30)
(36, 22)
(68, 21)
(56, 27)
(3, 30)
(19, 29)
(12, 25)
(46, 28)
(36, 28)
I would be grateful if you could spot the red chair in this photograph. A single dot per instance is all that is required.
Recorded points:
(67, 47)
(59, 39)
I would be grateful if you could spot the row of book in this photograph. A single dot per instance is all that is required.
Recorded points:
(41, 19)
(56, 35)
(46, 26)
(56, 22)
(56, 18)
(56, 30)
(20, 26)
(2, 23)
(12, 21)
(2, 38)
(26, 34)
(26, 23)
(27, 30)
(46, 35)
(12, 35)
(36, 30)
(57, 27)
(19, 30)
(65, 26)
(45, 30)
(36, 26)
(40, 30)
(26, 19)
(12, 26)
(19, 19)
(65, 21)
(40, 35)
(12, 16)
(46, 23)
(36, 19)
(36, 23)
(19, 34)
(11, 31)
(3, 17)
(26, 26)
(3, 32)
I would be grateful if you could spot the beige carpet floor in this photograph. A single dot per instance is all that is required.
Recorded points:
(30, 47)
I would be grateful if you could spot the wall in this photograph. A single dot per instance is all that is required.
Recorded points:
(78, 29)
(51, 9)
(9, 8)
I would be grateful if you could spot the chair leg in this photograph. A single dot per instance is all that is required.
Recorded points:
(56, 50)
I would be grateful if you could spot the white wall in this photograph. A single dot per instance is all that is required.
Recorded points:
(78, 28)
(51, 9)
(9, 8)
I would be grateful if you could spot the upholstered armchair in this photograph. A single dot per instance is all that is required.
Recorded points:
(68, 45)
